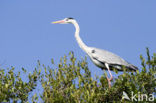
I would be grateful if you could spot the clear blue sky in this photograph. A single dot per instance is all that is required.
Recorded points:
(124, 27)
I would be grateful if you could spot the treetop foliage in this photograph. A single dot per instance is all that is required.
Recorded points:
(71, 82)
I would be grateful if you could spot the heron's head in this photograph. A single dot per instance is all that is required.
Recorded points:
(64, 21)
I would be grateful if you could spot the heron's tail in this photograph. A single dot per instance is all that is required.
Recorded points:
(133, 68)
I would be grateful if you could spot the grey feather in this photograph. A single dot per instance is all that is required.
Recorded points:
(100, 57)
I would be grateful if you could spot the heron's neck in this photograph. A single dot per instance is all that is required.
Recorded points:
(78, 39)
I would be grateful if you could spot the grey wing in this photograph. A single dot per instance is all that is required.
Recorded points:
(110, 58)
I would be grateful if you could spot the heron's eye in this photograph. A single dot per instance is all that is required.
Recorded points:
(93, 51)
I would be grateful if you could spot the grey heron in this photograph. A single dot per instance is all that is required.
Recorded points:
(101, 58)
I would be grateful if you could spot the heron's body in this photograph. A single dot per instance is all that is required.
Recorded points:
(101, 58)
(113, 60)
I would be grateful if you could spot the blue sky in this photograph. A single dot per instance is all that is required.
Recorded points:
(123, 27)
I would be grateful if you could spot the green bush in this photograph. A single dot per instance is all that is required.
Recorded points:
(13, 88)
(71, 82)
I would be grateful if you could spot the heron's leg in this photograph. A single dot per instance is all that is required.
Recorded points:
(109, 82)
(111, 77)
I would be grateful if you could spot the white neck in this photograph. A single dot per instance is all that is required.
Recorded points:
(78, 39)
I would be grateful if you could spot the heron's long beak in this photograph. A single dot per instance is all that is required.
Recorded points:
(55, 22)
